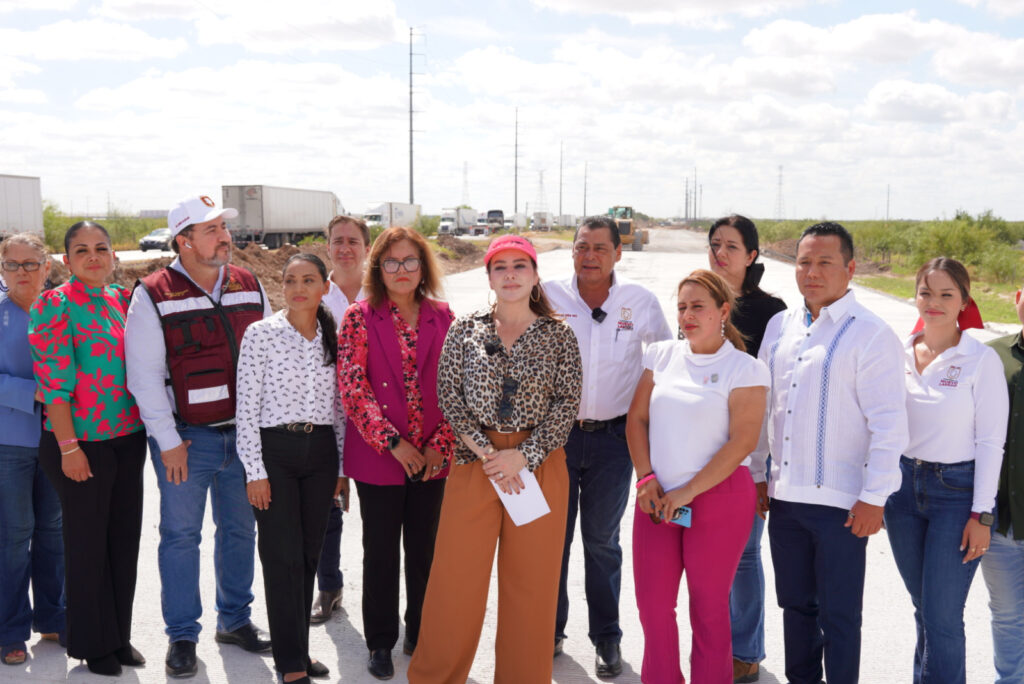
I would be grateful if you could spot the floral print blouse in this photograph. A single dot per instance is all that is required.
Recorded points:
(544, 367)
(357, 395)
(77, 339)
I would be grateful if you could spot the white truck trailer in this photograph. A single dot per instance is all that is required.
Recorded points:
(457, 221)
(392, 214)
(275, 216)
(21, 205)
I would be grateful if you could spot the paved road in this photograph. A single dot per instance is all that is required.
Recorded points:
(888, 616)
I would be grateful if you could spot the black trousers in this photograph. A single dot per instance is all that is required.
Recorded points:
(303, 472)
(102, 523)
(405, 514)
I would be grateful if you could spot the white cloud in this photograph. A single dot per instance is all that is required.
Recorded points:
(275, 27)
(709, 13)
(88, 39)
(36, 5)
(981, 58)
(1002, 8)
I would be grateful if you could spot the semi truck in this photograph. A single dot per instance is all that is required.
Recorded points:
(21, 205)
(457, 221)
(542, 220)
(392, 214)
(274, 216)
(628, 232)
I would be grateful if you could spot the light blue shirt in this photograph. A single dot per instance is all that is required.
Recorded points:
(20, 414)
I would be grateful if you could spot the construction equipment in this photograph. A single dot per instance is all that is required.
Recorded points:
(634, 237)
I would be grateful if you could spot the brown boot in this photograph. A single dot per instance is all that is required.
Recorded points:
(744, 673)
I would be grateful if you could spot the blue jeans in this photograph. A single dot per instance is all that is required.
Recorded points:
(214, 467)
(328, 573)
(819, 582)
(31, 548)
(925, 521)
(599, 478)
(1003, 570)
(746, 601)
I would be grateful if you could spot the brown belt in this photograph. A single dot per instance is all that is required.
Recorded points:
(507, 440)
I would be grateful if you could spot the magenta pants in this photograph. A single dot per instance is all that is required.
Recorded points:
(709, 550)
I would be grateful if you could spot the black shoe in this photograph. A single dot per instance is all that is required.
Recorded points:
(609, 659)
(249, 637)
(107, 665)
(407, 646)
(129, 655)
(326, 603)
(559, 646)
(181, 659)
(317, 669)
(380, 665)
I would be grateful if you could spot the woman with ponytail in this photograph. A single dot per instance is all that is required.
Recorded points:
(694, 421)
(733, 248)
(291, 430)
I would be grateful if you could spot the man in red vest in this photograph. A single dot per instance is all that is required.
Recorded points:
(182, 336)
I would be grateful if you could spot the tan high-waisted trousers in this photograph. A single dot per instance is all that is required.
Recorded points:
(473, 521)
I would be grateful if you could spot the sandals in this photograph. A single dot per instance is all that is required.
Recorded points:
(13, 654)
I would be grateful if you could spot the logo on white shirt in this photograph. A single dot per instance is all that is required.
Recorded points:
(625, 313)
(952, 375)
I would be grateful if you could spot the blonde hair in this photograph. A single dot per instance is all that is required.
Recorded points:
(721, 293)
(27, 239)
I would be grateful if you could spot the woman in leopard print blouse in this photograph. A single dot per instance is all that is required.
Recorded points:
(509, 383)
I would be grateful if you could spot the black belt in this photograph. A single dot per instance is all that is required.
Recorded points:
(308, 428)
(598, 425)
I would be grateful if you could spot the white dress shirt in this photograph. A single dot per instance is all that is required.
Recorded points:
(282, 379)
(837, 420)
(957, 410)
(689, 409)
(146, 361)
(611, 351)
(336, 301)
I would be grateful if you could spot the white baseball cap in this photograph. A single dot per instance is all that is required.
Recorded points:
(193, 210)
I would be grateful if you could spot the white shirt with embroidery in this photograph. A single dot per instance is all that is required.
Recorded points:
(837, 418)
(957, 411)
(282, 379)
(611, 350)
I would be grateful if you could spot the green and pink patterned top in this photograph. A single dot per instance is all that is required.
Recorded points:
(77, 339)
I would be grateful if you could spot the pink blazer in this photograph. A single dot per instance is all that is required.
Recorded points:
(384, 372)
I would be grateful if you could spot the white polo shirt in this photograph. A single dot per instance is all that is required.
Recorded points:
(611, 351)
(957, 411)
(837, 422)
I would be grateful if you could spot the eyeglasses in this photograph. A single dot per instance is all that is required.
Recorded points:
(410, 264)
(508, 389)
(29, 266)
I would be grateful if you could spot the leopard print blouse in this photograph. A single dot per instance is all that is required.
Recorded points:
(474, 367)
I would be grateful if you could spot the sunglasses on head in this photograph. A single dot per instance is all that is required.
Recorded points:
(508, 390)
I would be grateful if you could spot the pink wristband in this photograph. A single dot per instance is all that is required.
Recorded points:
(67, 441)
(644, 481)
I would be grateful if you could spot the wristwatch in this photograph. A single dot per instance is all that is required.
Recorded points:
(985, 519)
(393, 442)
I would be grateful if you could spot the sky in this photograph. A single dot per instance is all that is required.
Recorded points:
(868, 107)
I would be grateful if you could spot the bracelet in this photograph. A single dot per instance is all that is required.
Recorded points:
(645, 480)
(67, 441)
(68, 453)
(644, 476)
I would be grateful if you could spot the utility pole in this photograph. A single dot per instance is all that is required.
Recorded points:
(700, 205)
(559, 178)
(686, 200)
(585, 189)
(516, 181)
(410, 117)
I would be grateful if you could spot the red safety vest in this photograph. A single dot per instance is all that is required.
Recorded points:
(202, 338)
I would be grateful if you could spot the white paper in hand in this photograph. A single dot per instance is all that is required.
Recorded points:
(529, 504)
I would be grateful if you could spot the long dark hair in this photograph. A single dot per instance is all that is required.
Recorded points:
(328, 326)
(751, 243)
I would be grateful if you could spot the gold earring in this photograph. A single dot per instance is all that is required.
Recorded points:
(535, 291)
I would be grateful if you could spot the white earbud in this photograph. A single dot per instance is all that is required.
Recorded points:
(188, 244)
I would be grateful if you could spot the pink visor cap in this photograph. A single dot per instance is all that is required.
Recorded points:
(509, 242)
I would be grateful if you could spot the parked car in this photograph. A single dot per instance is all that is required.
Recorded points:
(158, 239)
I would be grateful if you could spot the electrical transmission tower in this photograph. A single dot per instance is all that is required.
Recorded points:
(779, 209)
(542, 203)
(465, 183)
